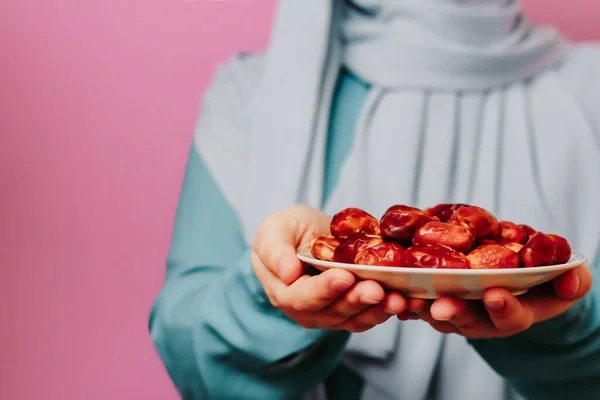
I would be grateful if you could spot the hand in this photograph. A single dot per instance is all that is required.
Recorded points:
(501, 314)
(330, 300)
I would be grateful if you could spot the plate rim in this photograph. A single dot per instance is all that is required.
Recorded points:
(575, 261)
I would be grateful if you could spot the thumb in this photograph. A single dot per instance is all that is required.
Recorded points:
(506, 311)
(275, 246)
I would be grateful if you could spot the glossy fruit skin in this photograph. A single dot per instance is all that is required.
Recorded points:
(450, 235)
(481, 222)
(386, 254)
(493, 256)
(435, 256)
(530, 231)
(511, 232)
(562, 249)
(538, 251)
(353, 220)
(516, 247)
(346, 252)
(400, 223)
(324, 247)
(443, 211)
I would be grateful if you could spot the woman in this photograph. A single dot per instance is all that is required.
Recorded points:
(368, 104)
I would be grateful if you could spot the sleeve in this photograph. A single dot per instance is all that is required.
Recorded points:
(560, 358)
(212, 324)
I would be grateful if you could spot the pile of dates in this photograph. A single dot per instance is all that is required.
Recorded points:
(457, 236)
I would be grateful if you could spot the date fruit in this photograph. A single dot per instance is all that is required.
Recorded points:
(511, 232)
(324, 247)
(481, 222)
(386, 254)
(538, 251)
(514, 246)
(493, 256)
(450, 235)
(435, 256)
(346, 252)
(530, 231)
(353, 220)
(443, 211)
(447, 235)
(562, 249)
(401, 222)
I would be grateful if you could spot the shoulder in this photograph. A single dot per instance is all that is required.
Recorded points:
(234, 81)
(224, 117)
(221, 134)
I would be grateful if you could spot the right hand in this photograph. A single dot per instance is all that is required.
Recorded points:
(330, 300)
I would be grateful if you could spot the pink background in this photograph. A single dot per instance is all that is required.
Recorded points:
(91, 94)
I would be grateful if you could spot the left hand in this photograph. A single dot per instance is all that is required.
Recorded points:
(501, 314)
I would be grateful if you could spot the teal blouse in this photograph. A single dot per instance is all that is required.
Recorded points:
(219, 337)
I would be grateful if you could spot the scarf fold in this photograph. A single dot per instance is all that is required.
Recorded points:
(445, 44)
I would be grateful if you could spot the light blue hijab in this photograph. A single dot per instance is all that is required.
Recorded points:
(468, 103)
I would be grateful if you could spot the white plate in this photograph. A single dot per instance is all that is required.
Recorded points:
(431, 283)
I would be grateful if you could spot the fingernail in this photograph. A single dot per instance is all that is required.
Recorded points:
(577, 283)
(442, 318)
(367, 300)
(340, 284)
(494, 304)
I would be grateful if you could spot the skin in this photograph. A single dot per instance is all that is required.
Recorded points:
(333, 299)
(501, 314)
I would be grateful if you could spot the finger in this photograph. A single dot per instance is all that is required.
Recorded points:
(440, 326)
(275, 245)
(392, 304)
(307, 293)
(360, 296)
(314, 293)
(506, 311)
(416, 305)
(446, 308)
(269, 281)
(574, 284)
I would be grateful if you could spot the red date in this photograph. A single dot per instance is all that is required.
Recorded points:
(385, 254)
(443, 211)
(324, 247)
(450, 235)
(401, 207)
(511, 232)
(562, 249)
(530, 231)
(538, 251)
(401, 222)
(493, 256)
(353, 220)
(435, 256)
(346, 252)
(514, 246)
(481, 222)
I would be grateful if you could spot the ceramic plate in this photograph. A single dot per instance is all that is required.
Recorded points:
(428, 283)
